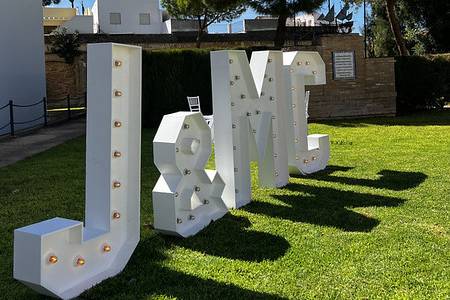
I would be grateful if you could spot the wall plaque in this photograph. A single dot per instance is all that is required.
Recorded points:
(344, 65)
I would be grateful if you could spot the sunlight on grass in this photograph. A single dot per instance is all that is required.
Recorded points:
(375, 224)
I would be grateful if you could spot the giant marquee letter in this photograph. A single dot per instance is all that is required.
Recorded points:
(248, 104)
(307, 154)
(186, 197)
(60, 257)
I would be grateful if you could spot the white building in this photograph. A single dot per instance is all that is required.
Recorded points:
(306, 19)
(132, 16)
(22, 61)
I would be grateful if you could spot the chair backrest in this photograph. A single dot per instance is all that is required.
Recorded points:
(194, 104)
(307, 96)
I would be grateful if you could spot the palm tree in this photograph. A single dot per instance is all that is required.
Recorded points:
(284, 9)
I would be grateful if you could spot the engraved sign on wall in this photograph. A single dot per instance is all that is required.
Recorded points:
(344, 65)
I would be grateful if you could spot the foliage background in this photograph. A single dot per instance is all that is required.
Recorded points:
(422, 82)
(169, 76)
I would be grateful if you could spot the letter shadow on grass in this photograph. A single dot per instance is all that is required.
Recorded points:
(145, 276)
(326, 207)
(392, 180)
(230, 238)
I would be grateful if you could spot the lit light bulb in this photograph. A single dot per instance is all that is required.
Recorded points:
(117, 184)
(117, 124)
(80, 262)
(53, 259)
(116, 215)
(118, 93)
(117, 63)
(117, 154)
(106, 248)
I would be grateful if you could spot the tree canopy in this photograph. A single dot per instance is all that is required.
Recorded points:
(205, 12)
(422, 25)
(283, 9)
(49, 2)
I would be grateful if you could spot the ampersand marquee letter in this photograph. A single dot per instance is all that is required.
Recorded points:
(60, 257)
(248, 105)
(307, 154)
(186, 197)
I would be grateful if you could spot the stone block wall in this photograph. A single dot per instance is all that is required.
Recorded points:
(371, 93)
(65, 79)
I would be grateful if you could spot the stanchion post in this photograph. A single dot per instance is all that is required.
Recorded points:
(44, 101)
(11, 116)
(69, 113)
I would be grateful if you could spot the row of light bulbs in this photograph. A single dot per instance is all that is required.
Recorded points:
(187, 172)
(106, 248)
(79, 261)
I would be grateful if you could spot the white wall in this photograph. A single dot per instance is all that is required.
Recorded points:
(129, 11)
(95, 15)
(82, 24)
(22, 61)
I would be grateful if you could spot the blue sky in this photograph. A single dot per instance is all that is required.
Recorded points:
(357, 15)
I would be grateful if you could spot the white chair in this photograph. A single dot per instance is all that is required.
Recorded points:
(194, 106)
(307, 96)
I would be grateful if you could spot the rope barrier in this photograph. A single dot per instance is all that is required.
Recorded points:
(3, 127)
(22, 123)
(11, 107)
(25, 106)
(5, 106)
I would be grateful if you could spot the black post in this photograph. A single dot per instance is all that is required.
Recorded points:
(11, 116)
(365, 31)
(69, 113)
(85, 102)
(44, 101)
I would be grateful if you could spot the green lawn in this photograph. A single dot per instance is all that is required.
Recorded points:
(376, 224)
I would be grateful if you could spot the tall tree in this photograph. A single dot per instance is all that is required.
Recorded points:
(205, 12)
(395, 27)
(435, 17)
(48, 2)
(283, 9)
(394, 23)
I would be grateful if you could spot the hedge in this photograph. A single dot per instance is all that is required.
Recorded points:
(169, 76)
(423, 82)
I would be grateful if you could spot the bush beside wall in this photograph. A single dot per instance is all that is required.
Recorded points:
(170, 76)
(423, 82)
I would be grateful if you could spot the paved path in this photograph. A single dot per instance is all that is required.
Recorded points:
(13, 150)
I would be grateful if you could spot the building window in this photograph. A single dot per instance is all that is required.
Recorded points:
(115, 18)
(144, 19)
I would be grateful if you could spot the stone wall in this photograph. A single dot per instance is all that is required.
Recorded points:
(371, 93)
(64, 79)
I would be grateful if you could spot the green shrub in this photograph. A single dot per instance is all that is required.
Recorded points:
(423, 82)
(65, 44)
(170, 76)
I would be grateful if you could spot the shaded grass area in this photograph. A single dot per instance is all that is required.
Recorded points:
(375, 224)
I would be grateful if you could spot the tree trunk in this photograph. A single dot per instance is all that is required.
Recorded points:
(202, 25)
(198, 41)
(395, 27)
(280, 36)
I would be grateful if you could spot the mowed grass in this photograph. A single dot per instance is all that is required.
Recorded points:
(375, 224)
